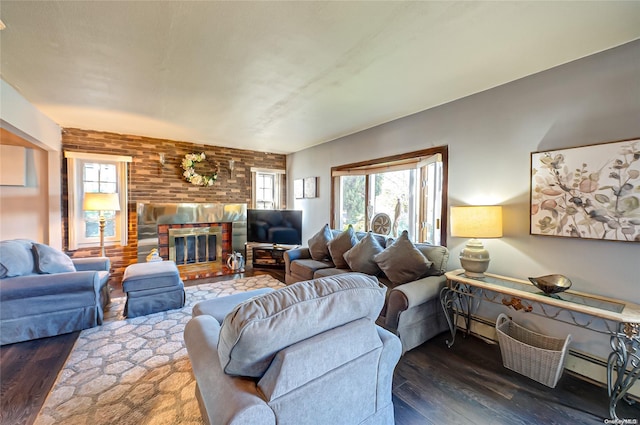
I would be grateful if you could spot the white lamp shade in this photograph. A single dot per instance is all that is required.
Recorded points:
(476, 221)
(101, 202)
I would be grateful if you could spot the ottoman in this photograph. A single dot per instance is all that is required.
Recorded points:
(152, 287)
(220, 307)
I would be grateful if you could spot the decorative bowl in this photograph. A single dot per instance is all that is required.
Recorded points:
(552, 283)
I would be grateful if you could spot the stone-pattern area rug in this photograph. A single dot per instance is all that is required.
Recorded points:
(135, 371)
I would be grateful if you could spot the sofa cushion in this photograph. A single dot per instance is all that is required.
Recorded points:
(256, 330)
(149, 276)
(305, 268)
(16, 258)
(341, 244)
(318, 248)
(331, 271)
(402, 262)
(219, 307)
(360, 257)
(49, 260)
(438, 255)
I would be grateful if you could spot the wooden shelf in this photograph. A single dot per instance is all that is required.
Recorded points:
(268, 256)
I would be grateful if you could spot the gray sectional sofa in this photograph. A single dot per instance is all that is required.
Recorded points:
(44, 293)
(413, 274)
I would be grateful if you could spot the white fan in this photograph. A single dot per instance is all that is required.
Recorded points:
(381, 224)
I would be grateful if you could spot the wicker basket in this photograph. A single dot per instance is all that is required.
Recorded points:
(537, 356)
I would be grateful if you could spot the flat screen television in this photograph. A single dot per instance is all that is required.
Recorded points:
(280, 227)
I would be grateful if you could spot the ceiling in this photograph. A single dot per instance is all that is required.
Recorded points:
(283, 76)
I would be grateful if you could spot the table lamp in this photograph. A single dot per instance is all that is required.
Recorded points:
(101, 202)
(476, 222)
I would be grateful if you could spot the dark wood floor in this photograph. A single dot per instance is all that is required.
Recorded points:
(433, 384)
(467, 384)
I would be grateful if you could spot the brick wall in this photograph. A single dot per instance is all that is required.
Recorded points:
(149, 181)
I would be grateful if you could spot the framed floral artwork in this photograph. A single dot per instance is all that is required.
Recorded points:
(588, 192)
(310, 189)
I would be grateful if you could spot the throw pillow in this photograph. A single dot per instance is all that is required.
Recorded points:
(360, 257)
(318, 248)
(257, 329)
(402, 262)
(16, 258)
(51, 260)
(341, 244)
(388, 242)
(438, 255)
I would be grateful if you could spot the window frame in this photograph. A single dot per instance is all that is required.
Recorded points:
(75, 194)
(278, 186)
(390, 163)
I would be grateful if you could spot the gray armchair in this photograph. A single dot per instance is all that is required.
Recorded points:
(309, 353)
(45, 293)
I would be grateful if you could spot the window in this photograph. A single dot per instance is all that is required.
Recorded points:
(99, 178)
(352, 204)
(266, 189)
(432, 201)
(392, 194)
(96, 173)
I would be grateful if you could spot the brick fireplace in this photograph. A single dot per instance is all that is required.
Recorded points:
(203, 234)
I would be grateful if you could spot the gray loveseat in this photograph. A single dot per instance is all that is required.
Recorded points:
(44, 293)
(306, 354)
(412, 308)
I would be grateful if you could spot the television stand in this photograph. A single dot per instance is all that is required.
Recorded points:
(269, 256)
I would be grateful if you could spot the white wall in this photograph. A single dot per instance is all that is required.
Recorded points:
(23, 210)
(32, 211)
(20, 117)
(490, 137)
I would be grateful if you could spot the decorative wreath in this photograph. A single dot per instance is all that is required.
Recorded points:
(190, 175)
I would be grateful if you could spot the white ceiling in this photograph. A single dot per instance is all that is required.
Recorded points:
(283, 76)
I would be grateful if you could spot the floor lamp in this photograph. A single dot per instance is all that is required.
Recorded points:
(101, 202)
(476, 222)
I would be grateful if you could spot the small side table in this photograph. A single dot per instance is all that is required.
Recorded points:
(617, 318)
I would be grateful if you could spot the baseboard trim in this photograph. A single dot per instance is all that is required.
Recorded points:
(583, 365)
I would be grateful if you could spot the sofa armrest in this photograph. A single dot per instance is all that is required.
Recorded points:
(297, 254)
(409, 295)
(41, 285)
(92, 263)
(223, 399)
(391, 352)
(294, 254)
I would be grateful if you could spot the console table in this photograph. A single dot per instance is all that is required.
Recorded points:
(617, 318)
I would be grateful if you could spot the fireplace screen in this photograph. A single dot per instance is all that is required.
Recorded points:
(195, 245)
